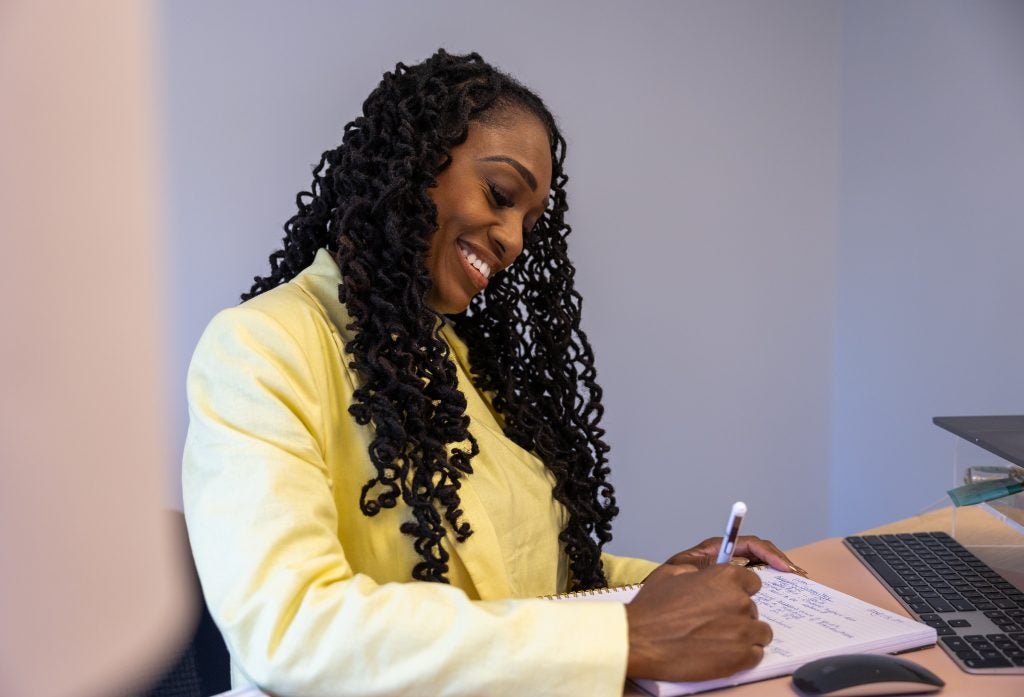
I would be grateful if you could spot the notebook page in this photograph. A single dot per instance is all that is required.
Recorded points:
(808, 617)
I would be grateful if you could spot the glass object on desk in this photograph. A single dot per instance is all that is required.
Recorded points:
(984, 473)
(1008, 509)
(987, 483)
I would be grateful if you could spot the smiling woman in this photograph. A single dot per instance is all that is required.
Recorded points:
(394, 442)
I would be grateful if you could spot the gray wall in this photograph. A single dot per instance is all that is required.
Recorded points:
(930, 276)
(718, 160)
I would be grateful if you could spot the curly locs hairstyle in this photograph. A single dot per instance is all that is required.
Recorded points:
(369, 206)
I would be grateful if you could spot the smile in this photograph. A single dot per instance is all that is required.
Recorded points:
(478, 267)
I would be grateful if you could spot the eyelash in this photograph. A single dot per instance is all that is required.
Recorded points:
(501, 199)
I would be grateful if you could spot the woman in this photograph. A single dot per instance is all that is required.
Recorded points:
(394, 444)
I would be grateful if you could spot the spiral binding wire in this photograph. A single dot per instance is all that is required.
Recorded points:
(593, 592)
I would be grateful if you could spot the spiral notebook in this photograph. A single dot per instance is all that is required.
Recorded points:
(809, 620)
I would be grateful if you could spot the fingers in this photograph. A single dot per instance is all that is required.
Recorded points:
(746, 579)
(696, 556)
(751, 641)
(668, 570)
(703, 554)
(766, 551)
(763, 634)
(751, 608)
(756, 656)
(695, 560)
(738, 646)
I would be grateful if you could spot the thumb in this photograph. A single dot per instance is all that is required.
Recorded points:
(675, 568)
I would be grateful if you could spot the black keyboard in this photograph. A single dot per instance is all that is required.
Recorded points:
(978, 614)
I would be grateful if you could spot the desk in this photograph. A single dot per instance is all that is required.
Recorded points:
(829, 562)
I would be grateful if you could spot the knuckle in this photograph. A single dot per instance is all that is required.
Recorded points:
(755, 656)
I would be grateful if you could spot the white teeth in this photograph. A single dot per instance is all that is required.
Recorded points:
(477, 263)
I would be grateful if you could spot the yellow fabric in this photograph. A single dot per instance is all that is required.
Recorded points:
(313, 597)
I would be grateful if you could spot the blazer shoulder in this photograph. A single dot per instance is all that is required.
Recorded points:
(287, 310)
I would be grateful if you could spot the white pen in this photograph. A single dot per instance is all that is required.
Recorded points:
(732, 531)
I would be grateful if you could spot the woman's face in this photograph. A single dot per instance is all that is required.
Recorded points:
(494, 190)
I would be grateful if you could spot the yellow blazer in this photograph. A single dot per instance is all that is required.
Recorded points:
(313, 597)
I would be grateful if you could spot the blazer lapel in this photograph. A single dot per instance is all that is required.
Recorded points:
(481, 553)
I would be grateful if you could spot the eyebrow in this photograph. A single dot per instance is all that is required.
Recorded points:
(523, 171)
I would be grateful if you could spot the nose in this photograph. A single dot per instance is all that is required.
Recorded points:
(506, 239)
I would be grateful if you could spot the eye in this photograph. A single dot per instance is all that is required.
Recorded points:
(501, 199)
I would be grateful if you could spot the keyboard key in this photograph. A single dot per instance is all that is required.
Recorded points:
(955, 643)
(959, 623)
(883, 569)
(987, 663)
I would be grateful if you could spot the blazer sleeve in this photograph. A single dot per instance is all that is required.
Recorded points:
(295, 615)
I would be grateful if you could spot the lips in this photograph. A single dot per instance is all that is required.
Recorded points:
(475, 275)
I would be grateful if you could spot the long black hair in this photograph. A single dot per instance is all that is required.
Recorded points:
(369, 205)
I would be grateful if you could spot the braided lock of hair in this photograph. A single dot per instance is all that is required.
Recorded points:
(369, 205)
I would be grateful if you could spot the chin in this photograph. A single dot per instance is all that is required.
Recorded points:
(448, 305)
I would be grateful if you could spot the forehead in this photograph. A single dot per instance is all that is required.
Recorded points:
(521, 137)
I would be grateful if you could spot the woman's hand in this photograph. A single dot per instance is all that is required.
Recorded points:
(704, 554)
(686, 625)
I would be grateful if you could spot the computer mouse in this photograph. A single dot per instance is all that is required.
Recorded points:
(864, 674)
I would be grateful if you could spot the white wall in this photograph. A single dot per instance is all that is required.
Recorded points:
(714, 175)
(931, 247)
